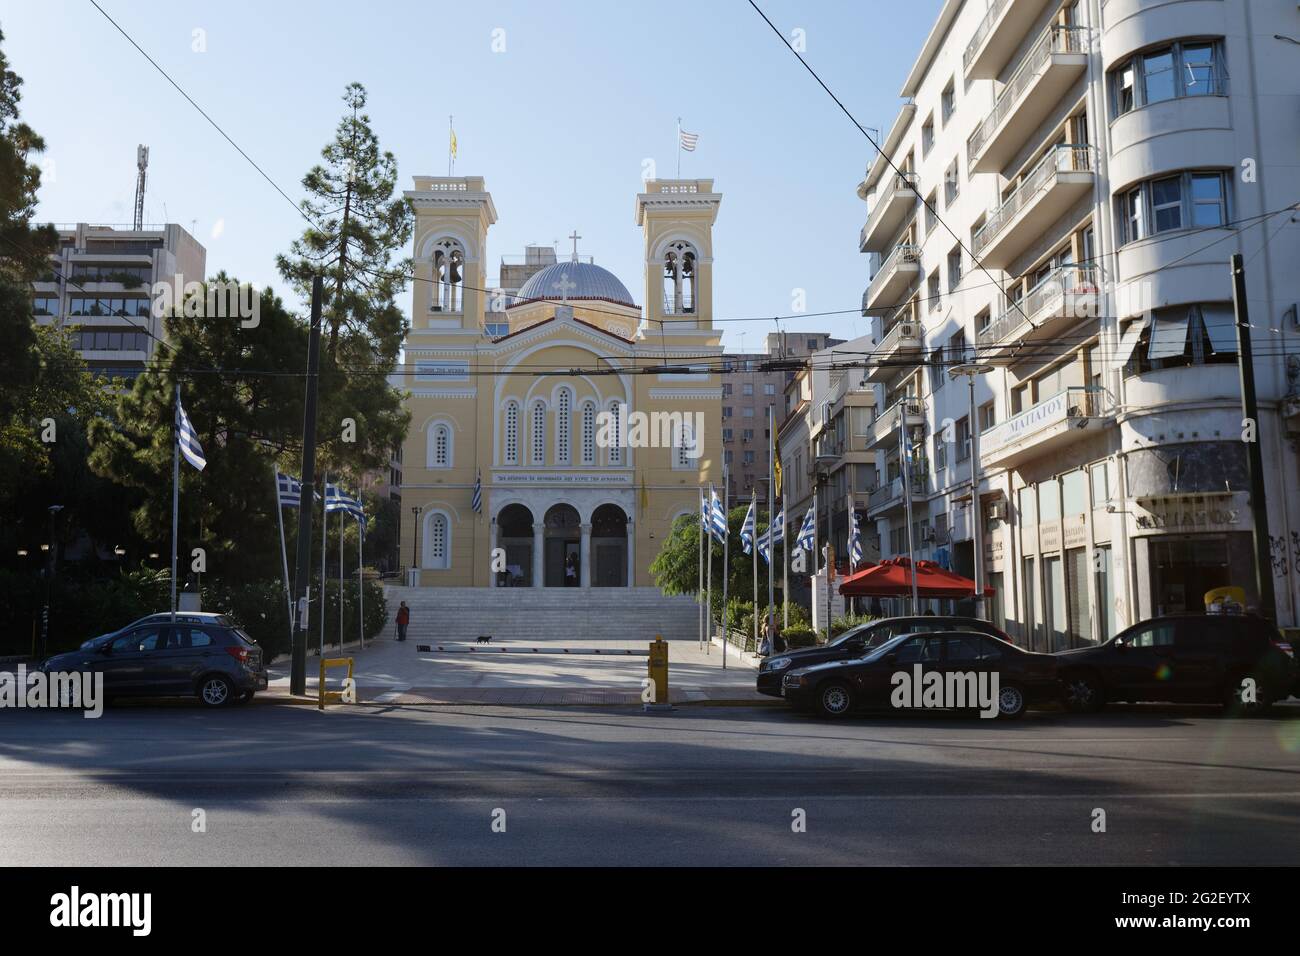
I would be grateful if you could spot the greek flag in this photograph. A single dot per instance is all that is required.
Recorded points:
(704, 513)
(747, 529)
(717, 517)
(336, 499)
(855, 543)
(189, 441)
(773, 536)
(687, 140)
(290, 490)
(477, 502)
(804, 541)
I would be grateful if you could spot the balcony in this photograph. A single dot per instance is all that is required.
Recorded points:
(1068, 294)
(896, 274)
(884, 430)
(1046, 427)
(899, 350)
(997, 37)
(889, 496)
(894, 202)
(1061, 177)
(1050, 68)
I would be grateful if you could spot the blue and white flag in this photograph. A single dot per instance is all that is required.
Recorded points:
(748, 527)
(476, 503)
(188, 439)
(717, 517)
(704, 513)
(290, 489)
(855, 542)
(336, 499)
(804, 540)
(773, 536)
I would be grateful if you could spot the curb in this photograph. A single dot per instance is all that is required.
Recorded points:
(283, 701)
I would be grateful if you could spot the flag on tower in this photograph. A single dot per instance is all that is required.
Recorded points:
(748, 527)
(687, 140)
(189, 441)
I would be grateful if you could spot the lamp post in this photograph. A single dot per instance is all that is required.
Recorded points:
(52, 550)
(823, 465)
(970, 370)
(415, 537)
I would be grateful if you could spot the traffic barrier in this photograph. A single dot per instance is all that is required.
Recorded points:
(347, 695)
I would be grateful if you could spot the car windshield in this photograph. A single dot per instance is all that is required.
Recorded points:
(857, 632)
(877, 653)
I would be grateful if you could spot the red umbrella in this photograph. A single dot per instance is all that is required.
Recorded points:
(893, 578)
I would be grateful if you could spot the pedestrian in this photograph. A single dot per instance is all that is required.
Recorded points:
(571, 572)
(403, 619)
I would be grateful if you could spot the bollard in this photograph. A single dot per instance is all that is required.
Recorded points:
(657, 671)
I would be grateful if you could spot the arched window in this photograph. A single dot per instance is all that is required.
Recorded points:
(679, 279)
(616, 433)
(448, 275)
(588, 433)
(563, 427)
(512, 433)
(684, 447)
(440, 446)
(539, 433)
(437, 541)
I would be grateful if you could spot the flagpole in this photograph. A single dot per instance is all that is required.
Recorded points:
(771, 516)
(361, 579)
(708, 594)
(679, 148)
(753, 553)
(905, 457)
(699, 595)
(284, 554)
(816, 556)
(451, 131)
(726, 558)
(324, 539)
(176, 487)
(342, 521)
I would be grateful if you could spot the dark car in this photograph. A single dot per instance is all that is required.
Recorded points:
(187, 617)
(217, 663)
(871, 682)
(855, 642)
(1182, 658)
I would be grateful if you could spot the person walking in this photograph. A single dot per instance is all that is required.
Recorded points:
(403, 619)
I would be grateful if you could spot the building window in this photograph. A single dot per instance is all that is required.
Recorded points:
(726, 411)
(588, 433)
(1204, 334)
(726, 389)
(512, 433)
(1166, 73)
(1100, 485)
(437, 542)
(927, 135)
(931, 212)
(963, 438)
(749, 458)
(679, 279)
(940, 454)
(747, 411)
(1173, 202)
(954, 269)
(727, 434)
(949, 101)
(616, 420)
(439, 445)
(769, 389)
(748, 388)
(933, 292)
(448, 276)
(988, 416)
(539, 433)
(563, 426)
(951, 184)
(682, 458)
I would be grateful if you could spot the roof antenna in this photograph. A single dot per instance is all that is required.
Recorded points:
(141, 167)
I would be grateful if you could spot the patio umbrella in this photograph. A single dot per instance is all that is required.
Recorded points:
(893, 578)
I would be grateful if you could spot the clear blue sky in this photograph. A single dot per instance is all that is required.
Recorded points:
(559, 124)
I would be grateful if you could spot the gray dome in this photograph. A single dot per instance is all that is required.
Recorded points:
(574, 280)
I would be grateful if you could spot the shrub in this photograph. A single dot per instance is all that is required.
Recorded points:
(797, 636)
(847, 621)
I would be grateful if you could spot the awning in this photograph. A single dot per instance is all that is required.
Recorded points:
(893, 578)
(1169, 337)
(1221, 325)
(1129, 340)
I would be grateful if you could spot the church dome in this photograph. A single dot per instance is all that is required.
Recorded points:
(574, 280)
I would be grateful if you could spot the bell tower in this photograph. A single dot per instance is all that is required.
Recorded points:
(677, 216)
(452, 217)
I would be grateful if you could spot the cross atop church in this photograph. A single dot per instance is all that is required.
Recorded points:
(575, 237)
(564, 285)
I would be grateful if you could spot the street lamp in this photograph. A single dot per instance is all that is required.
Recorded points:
(822, 465)
(415, 538)
(970, 370)
(49, 580)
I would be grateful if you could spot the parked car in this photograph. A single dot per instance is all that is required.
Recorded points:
(187, 617)
(836, 688)
(216, 662)
(855, 642)
(1183, 658)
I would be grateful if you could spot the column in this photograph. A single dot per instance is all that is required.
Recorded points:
(631, 554)
(539, 554)
(584, 557)
(492, 547)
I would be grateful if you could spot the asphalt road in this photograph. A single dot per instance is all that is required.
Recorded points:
(702, 785)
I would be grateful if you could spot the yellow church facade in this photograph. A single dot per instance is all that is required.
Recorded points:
(558, 429)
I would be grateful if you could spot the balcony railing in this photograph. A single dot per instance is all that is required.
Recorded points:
(1067, 158)
(900, 183)
(1074, 403)
(982, 31)
(672, 306)
(892, 490)
(1063, 281)
(1054, 40)
(903, 252)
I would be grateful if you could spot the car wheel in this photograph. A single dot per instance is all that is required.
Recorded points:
(1012, 702)
(834, 699)
(215, 691)
(244, 697)
(1255, 708)
(1083, 694)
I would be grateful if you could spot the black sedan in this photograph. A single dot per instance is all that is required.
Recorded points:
(854, 643)
(961, 671)
(1238, 660)
(217, 663)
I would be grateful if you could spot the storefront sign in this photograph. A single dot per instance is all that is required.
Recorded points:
(557, 478)
(1045, 413)
(1076, 532)
(441, 371)
(1049, 537)
(1192, 516)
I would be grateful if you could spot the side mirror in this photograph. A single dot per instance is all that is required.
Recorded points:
(106, 647)
(891, 657)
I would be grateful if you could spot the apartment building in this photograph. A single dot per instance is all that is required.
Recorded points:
(99, 287)
(1052, 215)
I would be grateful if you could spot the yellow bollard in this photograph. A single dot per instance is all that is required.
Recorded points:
(657, 671)
(341, 696)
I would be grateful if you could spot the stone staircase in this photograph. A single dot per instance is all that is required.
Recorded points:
(544, 614)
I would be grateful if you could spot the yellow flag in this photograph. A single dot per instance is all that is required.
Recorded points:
(645, 497)
(776, 470)
(453, 144)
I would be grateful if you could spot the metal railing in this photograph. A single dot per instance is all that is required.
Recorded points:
(1064, 280)
(981, 32)
(901, 253)
(893, 338)
(1073, 403)
(1067, 157)
(1055, 39)
(673, 307)
(901, 182)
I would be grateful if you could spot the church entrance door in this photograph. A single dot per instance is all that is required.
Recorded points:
(563, 547)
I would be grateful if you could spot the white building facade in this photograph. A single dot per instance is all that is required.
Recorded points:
(1091, 166)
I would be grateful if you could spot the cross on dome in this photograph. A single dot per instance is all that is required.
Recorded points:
(575, 237)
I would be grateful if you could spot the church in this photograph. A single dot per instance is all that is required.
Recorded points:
(521, 467)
